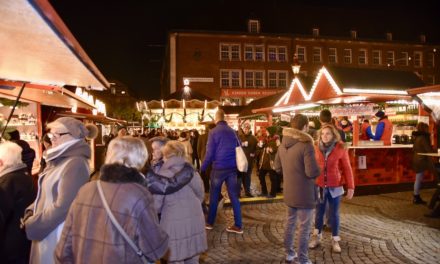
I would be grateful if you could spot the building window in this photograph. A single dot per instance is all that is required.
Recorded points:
(429, 79)
(277, 79)
(403, 60)
(253, 79)
(277, 53)
(362, 59)
(301, 53)
(430, 61)
(377, 57)
(347, 56)
(230, 78)
(390, 58)
(254, 53)
(332, 55)
(317, 55)
(229, 52)
(254, 26)
(418, 59)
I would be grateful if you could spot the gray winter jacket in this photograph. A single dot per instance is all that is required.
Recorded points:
(296, 160)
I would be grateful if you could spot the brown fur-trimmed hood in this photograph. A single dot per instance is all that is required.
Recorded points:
(118, 173)
(291, 136)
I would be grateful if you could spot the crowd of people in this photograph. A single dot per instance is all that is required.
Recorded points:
(148, 201)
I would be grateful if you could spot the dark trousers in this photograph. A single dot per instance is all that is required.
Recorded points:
(273, 181)
(245, 179)
(197, 162)
(205, 179)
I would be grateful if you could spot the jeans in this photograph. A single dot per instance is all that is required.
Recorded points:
(334, 204)
(418, 182)
(304, 219)
(229, 176)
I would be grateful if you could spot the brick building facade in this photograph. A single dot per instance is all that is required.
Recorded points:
(236, 67)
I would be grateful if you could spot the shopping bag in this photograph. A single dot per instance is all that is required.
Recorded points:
(242, 164)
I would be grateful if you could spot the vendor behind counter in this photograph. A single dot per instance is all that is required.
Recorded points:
(384, 129)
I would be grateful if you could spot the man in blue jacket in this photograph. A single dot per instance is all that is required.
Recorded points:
(220, 152)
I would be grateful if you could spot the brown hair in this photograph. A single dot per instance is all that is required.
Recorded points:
(422, 127)
(299, 121)
(335, 132)
(325, 116)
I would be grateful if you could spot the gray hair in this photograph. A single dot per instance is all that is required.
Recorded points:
(127, 151)
(10, 153)
(160, 140)
(174, 148)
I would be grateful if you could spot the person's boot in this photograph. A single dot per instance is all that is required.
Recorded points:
(335, 244)
(315, 240)
(418, 200)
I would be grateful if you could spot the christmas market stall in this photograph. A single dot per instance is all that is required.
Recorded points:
(355, 94)
(42, 68)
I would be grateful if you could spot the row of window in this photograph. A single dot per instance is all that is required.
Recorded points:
(232, 78)
(389, 58)
(232, 52)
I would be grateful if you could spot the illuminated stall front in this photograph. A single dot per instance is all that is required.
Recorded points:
(40, 59)
(360, 93)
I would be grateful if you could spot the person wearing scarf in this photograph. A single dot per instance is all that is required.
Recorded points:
(66, 171)
(331, 155)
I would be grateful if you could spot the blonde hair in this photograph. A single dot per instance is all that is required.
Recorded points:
(335, 132)
(127, 151)
(173, 148)
(10, 153)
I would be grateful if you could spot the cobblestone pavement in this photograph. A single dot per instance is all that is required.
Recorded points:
(385, 228)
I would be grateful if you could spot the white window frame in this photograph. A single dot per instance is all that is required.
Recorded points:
(391, 60)
(404, 57)
(253, 23)
(332, 53)
(254, 79)
(418, 59)
(302, 57)
(277, 53)
(253, 52)
(315, 56)
(377, 57)
(229, 51)
(363, 57)
(277, 78)
(349, 56)
(230, 79)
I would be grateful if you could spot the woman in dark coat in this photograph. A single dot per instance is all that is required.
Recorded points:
(422, 144)
(17, 193)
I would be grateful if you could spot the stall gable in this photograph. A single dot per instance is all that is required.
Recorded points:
(324, 87)
(295, 95)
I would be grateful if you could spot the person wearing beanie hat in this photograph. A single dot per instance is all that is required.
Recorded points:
(384, 129)
(66, 171)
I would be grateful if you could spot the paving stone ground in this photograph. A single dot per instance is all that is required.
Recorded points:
(384, 228)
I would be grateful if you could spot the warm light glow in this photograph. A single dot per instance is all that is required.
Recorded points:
(74, 108)
(293, 108)
(122, 92)
(373, 91)
(161, 102)
(186, 89)
(206, 103)
(95, 111)
(183, 103)
(145, 105)
(286, 95)
(186, 82)
(329, 78)
(138, 107)
(78, 91)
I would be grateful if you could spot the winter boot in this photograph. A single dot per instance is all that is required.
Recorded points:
(335, 244)
(315, 241)
(418, 200)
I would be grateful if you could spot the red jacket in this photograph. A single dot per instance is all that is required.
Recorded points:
(338, 159)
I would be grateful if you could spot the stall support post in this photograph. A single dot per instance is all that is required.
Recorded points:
(355, 132)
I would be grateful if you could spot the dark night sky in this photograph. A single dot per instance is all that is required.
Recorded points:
(126, 39)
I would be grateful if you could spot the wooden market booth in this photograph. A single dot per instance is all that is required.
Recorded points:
(43, 67)
(356, 92)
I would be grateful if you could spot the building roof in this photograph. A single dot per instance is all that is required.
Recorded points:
(264, 102)
(364, 78)
(180, 94)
